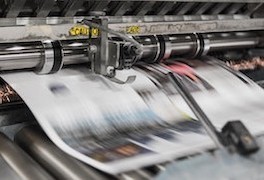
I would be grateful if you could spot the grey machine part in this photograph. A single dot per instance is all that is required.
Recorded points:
(34, 141)
(22, 166)
(165, 30)
(35, 55)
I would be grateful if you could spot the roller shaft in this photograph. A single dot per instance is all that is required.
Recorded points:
(31, 54)
(26, 55)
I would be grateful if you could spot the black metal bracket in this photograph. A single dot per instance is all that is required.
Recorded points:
(237, 135)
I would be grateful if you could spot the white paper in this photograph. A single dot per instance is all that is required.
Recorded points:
(116, 128)
(84, 114)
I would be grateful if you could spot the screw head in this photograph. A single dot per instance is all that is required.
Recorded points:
(110, 70)
(92, 49)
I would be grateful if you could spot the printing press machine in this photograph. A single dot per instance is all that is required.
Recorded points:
(47, 35)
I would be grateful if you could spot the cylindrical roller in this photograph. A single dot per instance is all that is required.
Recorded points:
(151, 48)
(189, 46)
(32, 54)
(20, 55)
(174, 45)
(75, 51)
(26, 55)
(182, 45)
(192, 45)
(6, 172)
(59, 164)
(233, 42)
(18, 160)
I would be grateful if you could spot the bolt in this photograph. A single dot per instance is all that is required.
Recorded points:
(110, 70)
(92, 49)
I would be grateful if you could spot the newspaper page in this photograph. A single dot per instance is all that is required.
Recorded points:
(224, 95)
(112, 127)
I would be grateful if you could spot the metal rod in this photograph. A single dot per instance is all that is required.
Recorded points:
(186, 45)
(218, 44)
(26, 55)
(198, 112)
(29, 55)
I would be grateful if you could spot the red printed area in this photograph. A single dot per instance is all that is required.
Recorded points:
(183, 69)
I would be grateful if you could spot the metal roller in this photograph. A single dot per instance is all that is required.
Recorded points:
(160, 47)
(232, 41)
(75, 51)
(151, 46)
(20, 55)
(6, 171)
(59, 164)
(31, 55)
(20, 162)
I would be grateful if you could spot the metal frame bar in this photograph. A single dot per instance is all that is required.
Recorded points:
(198, 112)
(140, 8)
(17, 29)
(13, 9)
(72, 7)
(44, 9)
(182, 27)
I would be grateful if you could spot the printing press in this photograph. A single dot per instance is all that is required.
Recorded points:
(107, 37)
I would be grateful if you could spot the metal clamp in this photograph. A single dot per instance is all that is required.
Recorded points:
(197, 40)
(58, 56)
(158, 48)
(168, 47)
(48, 58)
(206, 45)
(52, 60)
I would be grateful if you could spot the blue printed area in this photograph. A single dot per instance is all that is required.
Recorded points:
(165, 134)
(132, 119)
(189, 126)
(58, 89)
(143, 139)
